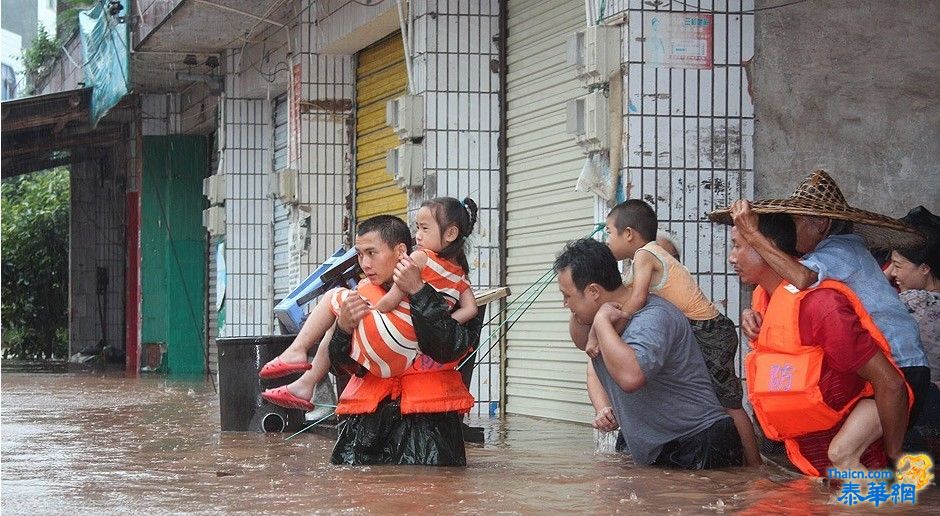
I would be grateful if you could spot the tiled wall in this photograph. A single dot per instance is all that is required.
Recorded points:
(453, 51)
(688, 137)
(321, 99)
(246, 161)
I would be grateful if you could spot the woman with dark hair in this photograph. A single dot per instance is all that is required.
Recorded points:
(917, 274)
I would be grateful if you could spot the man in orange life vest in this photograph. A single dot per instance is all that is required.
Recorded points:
(802, 395)
(414, 418)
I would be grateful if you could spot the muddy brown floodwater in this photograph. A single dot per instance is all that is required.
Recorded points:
(85, 443)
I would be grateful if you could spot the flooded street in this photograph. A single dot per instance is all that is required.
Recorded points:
(102, 444)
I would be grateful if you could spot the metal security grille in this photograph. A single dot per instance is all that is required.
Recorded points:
(247, 161)
(453, 46)
(690, 138)
(97, 256)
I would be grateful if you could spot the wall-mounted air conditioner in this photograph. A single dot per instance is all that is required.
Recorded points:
(213, 188)
(284, 185)
(587, 120)
(595, 53)
(405, 115)
(213, 219)
(406, 164)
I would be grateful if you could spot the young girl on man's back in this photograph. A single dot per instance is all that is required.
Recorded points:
(385, 342)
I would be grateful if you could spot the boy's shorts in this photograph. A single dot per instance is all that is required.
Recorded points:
(718, 340)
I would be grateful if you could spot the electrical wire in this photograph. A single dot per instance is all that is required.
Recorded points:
(749, 11)
(541, 284)
(251, 31)
(311, 425)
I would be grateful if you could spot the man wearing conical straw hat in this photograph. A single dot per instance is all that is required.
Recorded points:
(833, 238)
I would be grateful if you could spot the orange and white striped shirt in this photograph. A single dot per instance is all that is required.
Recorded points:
(386, 343)
(446, 277)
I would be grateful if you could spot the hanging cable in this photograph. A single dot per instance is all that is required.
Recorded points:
(407, 46)
(749, 11)
(509, 321)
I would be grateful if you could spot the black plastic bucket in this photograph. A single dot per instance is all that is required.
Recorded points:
(240, 404)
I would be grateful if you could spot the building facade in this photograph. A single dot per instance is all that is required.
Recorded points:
(545, 112)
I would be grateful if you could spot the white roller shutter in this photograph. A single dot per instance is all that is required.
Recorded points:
(211, 280)
(545, 373)
(281, 233)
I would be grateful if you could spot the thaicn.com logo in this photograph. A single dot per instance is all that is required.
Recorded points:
(879, 487)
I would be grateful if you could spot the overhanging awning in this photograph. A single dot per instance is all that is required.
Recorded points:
(50, 130)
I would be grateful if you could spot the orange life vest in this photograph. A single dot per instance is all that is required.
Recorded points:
(425, 387)
(783, 373)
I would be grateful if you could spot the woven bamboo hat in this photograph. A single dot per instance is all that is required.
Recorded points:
(819, 196)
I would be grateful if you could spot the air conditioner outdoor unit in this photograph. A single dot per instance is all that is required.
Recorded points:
(587, 120)
(595, 53)
(213, 219)
(406, 164)
(405, 115)
(284, 185)
(213, 188)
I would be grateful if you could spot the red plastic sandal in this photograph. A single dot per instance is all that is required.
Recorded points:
(282, 397)
(278, 368)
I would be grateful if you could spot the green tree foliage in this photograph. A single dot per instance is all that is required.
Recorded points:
(39, 56)
(34, 228)
(41, 53)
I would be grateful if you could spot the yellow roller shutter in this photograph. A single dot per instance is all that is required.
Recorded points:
(380, 76)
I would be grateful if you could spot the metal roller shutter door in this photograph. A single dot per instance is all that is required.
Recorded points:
(380, 76)
(545, 373)
(281, 233)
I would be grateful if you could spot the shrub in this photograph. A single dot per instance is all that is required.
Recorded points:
(38, 56)
(34, 228)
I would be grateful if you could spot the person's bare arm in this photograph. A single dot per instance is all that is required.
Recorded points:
(751, 323)
(645, 266)
(467, 307)
(604, 418)
(395, 295)
(619, 358)
(788, 267)
(579, 332)
(891, 399)
(390, 300)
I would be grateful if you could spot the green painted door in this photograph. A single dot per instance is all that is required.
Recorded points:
(173, 250)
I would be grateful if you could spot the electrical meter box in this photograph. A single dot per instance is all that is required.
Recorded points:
(406, 164)
(213, 219)
(588, 122)
(213, 188)
(405, 115)
(595, 53)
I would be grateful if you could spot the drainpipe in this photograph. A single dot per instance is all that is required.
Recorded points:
(502, 146)
(406, 43)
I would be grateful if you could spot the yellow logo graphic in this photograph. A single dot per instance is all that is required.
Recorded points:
(916, 470)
